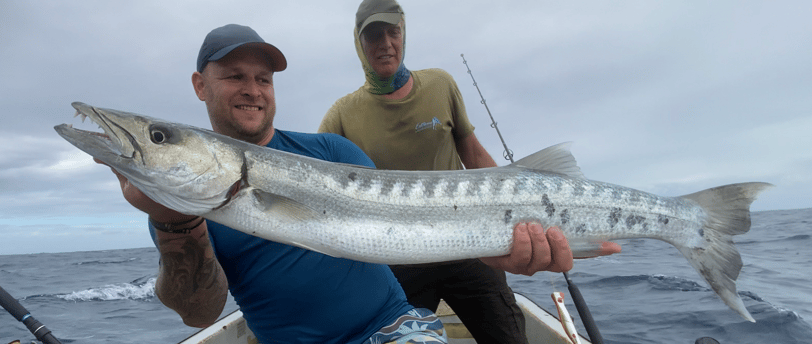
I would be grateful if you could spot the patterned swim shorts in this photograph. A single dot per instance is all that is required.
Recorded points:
(418, 326)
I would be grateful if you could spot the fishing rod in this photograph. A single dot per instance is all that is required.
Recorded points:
(507, 154)
(577, 298)
(42, 333)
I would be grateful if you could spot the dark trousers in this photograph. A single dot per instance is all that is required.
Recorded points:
(478, 294)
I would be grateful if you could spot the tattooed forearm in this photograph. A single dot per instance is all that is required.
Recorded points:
(190, 280)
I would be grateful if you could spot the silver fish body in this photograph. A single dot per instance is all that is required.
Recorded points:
(404, 217)
(407, 217)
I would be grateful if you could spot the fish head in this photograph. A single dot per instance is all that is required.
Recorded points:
(188, 169)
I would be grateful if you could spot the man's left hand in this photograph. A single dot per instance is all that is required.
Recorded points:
(535, 250)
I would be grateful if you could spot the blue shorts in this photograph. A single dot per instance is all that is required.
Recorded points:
(419, 325)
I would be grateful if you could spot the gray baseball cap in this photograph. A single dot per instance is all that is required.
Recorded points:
(371, 11)
(222, 40)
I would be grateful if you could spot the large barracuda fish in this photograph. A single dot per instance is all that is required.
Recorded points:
(407, 217)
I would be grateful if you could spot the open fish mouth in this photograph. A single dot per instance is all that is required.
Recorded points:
(114, 142)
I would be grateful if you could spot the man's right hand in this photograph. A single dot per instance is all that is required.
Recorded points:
(190, 281)
(155, 210)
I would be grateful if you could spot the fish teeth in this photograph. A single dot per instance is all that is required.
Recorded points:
(77, 114)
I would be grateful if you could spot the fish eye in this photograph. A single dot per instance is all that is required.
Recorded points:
(159, 134)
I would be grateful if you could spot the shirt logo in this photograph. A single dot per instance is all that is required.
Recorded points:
(427, 125)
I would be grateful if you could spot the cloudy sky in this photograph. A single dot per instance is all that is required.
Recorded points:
(666, 97)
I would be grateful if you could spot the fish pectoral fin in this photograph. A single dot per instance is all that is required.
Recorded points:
(556, 159)
(282, 207)
(323, 250)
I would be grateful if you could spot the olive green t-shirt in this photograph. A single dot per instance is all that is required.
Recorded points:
(417, 132)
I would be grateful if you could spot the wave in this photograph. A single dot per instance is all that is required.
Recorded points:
(657, 282)
(751, 295)
(140, 289)
(116, 261)
(798, 237)
(663, 282)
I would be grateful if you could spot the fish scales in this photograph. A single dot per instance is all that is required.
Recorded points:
(405, 217)
(408, 214)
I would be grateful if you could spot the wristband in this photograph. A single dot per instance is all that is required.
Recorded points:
(177, 227)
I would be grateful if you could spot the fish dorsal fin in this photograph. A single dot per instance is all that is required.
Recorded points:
(556, 159)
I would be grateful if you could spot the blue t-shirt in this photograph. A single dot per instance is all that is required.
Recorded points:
(292, 295)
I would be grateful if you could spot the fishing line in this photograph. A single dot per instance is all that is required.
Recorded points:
(577, 298)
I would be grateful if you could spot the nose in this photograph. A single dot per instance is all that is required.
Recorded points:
(386, 42)
(251, 88)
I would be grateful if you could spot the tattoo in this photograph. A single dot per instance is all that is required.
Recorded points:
(191, 281)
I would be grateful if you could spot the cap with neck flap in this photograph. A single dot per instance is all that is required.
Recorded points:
(387, 11)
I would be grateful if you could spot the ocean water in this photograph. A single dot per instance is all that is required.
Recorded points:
(647, 294)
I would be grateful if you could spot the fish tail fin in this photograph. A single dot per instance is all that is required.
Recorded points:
(716, 259)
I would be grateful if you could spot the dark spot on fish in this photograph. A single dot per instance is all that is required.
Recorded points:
(407, 188)
(549, 208)
(701, 232)
(428, 188)
(352, 176)
(614, 217)
(365, 184)
(565, 216)
(473, 189)
(580, 229)
(508, 216)
(662, 219)
(519, 185)
(455, 207)
(324, 212)
(387, 187)
(632, 220)
(451, 187)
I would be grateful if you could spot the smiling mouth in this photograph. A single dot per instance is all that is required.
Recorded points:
(248, 108)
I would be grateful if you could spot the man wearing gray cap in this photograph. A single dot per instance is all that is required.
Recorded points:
(287, 294)
(416, 120)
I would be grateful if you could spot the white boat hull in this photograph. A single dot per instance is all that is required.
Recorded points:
(542, 327)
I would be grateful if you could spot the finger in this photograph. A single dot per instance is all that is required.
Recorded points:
(541, 255)
(560, 251)
(608, 248)
(522, 253)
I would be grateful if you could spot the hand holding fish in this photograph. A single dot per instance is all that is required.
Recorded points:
(140, 201)
(535, 249)
(172, 286)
